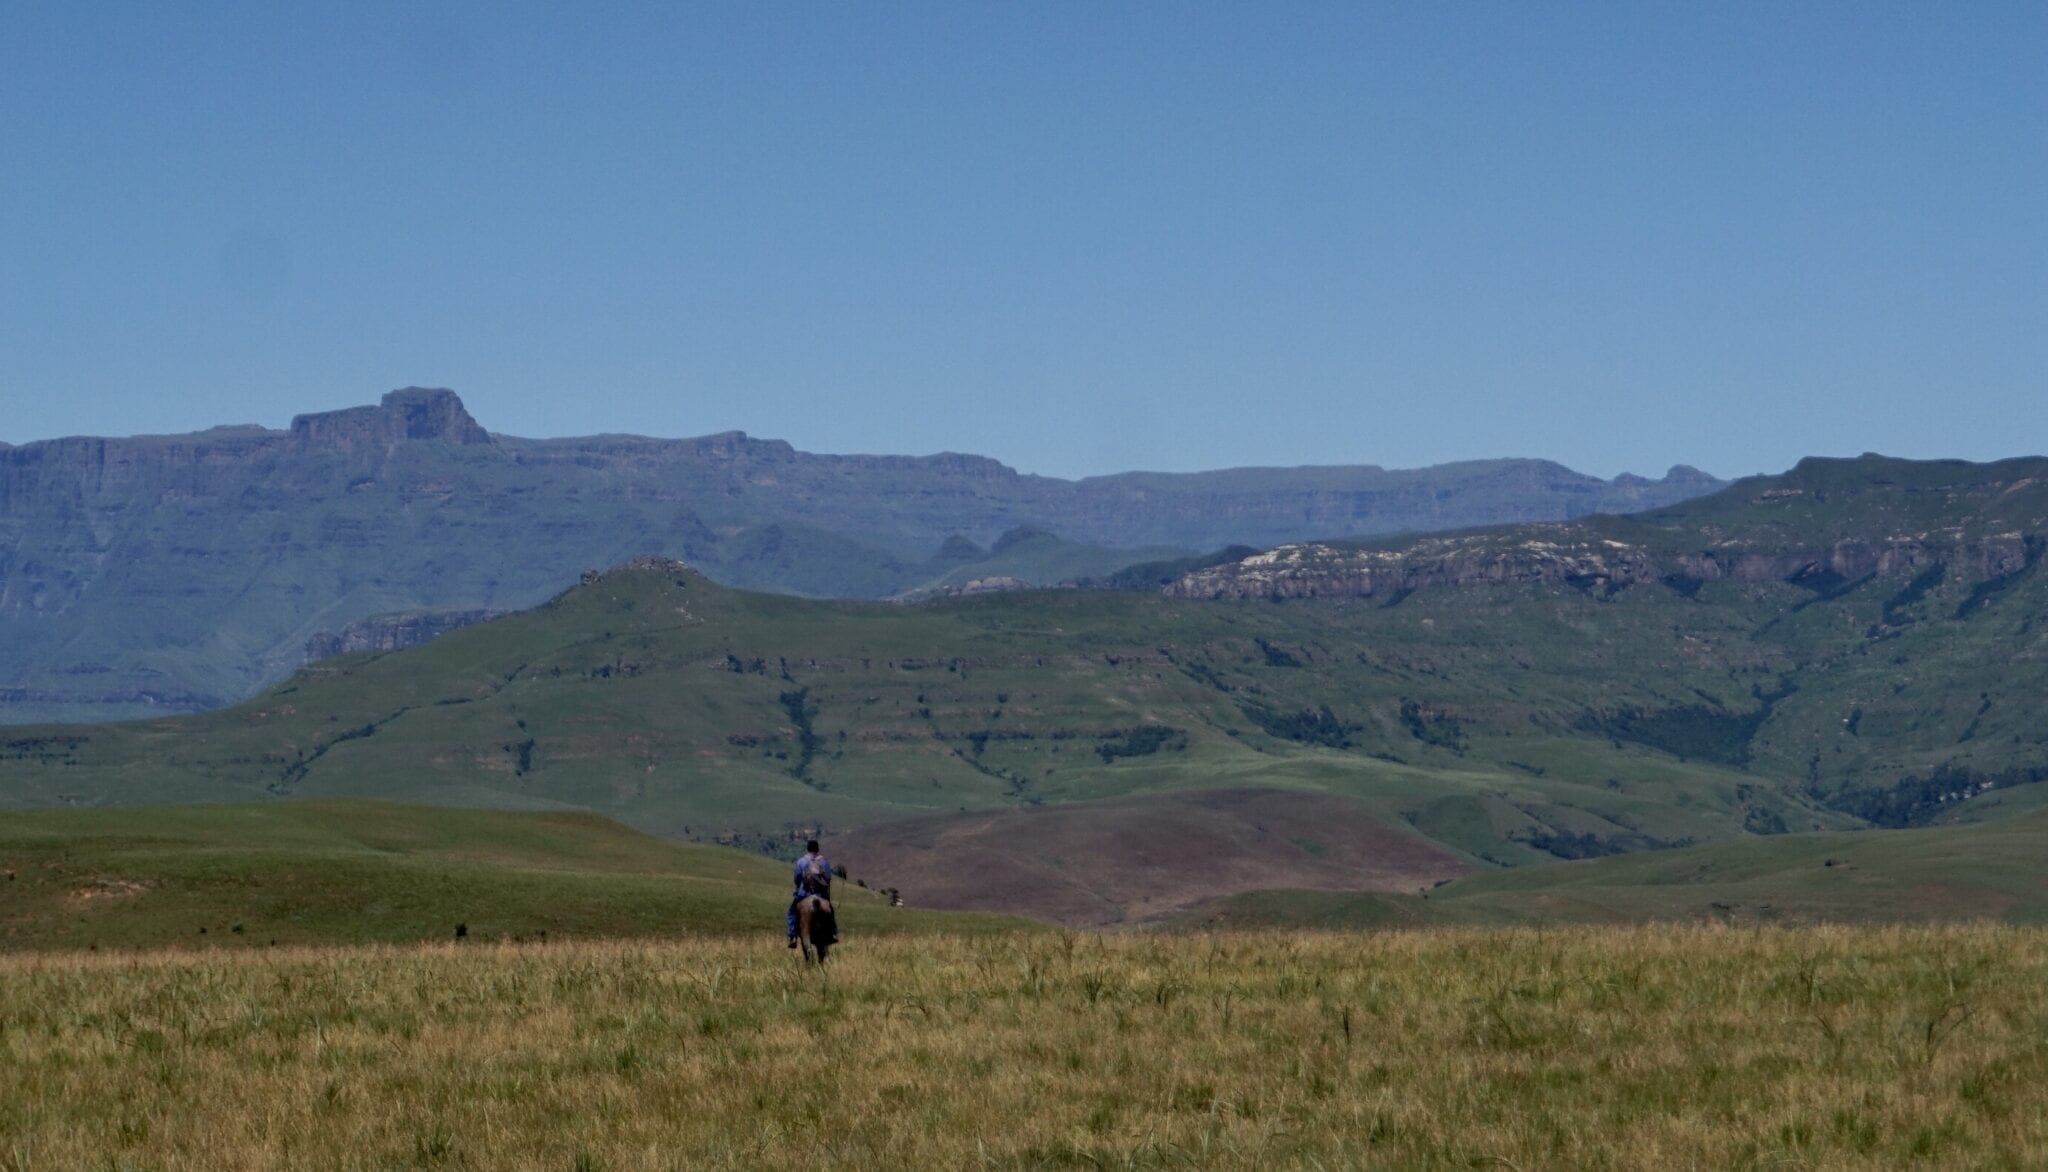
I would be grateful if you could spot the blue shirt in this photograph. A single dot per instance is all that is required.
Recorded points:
(803, 863)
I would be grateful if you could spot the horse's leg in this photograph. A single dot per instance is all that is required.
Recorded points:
(803, 926)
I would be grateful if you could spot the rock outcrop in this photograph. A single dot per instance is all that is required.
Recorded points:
(1825, 525)
(1315, 570)
(411, 413)
(393, 632)
(1563, 555)
(993, 584)
(644, 564)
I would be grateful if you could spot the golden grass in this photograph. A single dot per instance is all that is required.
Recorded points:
(1663, 1047)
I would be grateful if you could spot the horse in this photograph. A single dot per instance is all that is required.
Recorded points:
(816, 926)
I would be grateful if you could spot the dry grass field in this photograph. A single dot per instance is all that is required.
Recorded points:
(1662, 1047)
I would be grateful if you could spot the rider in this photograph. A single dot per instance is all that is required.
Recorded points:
(811, 876)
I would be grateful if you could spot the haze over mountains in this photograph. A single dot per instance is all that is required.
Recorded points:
(179, 573)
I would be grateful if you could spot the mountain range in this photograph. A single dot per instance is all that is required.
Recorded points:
(1852, 645)
(180, 573)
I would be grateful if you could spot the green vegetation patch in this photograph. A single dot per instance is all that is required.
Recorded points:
(349, 872)
(1990, 870)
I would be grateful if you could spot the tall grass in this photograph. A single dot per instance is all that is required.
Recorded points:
(1662, 1047)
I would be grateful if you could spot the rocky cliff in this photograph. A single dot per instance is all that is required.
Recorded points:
(1317, 570)
(1823, 525)
(1566, 555)
(411, 413)
(392, 632)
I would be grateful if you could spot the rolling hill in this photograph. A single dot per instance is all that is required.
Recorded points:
(1982, 870)
(358, 872)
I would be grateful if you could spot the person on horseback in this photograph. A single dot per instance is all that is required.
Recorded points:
(812, 877)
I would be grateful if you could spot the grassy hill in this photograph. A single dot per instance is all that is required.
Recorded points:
(1982, 870)
(353, 872)
(656, 697)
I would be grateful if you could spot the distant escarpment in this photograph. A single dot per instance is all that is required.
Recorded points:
(190, 570)
(1810, 527)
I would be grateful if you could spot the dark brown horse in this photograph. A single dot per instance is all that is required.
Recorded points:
(816, 926)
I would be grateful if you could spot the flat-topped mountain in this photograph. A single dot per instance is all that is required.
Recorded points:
(412, 413)
(178, 573)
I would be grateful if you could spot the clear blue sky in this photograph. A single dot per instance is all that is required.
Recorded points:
(1079, 237)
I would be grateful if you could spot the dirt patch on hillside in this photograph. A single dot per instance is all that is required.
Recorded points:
(1935, 900)
(107, 889)
(1128, 859)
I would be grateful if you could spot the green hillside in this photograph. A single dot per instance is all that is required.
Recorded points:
(656, 697)
(335, 872)
(1988, 870)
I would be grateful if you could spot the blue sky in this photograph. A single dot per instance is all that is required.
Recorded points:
(1080, 238)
